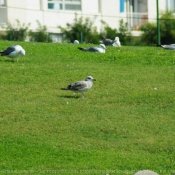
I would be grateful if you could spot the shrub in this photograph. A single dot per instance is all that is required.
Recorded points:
(149, 35)
(18, 33)
(122, 32)
(167, 30)
(40, 35)
(82, 29)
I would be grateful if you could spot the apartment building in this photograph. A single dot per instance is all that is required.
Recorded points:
(54, 13)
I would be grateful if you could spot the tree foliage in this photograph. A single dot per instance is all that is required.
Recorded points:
(122, 32)
(82, 29)
(41, 35)
(149, 35)
(16, 32)
(167, 30)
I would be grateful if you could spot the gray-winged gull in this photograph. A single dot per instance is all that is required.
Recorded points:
(100, 49)
(81, 86)
(170, 46)
(109, 42)
(13, 52)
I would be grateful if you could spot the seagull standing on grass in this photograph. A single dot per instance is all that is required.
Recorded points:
(13, 52)
(100, 49)
(81, 86)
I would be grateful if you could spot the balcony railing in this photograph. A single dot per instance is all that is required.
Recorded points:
(135, 20)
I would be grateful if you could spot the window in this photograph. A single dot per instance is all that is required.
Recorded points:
(2, 2)
(122, 6)
(139, 6)
(170, 5)
(64, 4)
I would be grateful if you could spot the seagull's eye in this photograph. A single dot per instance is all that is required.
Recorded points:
(89, 78)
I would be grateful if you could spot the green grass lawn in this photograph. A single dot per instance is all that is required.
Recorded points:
(125, 123)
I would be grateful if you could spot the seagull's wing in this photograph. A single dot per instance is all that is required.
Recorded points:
(93, 49)
(79, 85)
(108, 42)
(116, 43)
(7, 51)
(90, 49)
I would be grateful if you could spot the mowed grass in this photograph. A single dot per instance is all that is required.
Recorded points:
(125, 123)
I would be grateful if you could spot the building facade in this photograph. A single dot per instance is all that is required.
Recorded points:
(54, 13)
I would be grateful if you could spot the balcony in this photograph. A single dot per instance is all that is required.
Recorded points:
(135, 20)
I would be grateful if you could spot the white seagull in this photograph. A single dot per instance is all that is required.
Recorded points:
(13, 52)
(100, 49)
(109, 42)
(116, 42)
(81, 86)
(76, 42)
(170, 46)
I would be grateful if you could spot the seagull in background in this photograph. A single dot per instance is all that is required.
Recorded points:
(81, 86)
(116, 42)
(169, 47)
(13, 52)
(100, 49)
(109, 42)
(76, 42)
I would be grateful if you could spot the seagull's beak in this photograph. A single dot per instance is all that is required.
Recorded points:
(94, 79)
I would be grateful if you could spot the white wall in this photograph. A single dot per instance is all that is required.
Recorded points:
(33, 4)
(90, 6)
(17, 3)
(29, 11)
(110, 7)
(152, 9)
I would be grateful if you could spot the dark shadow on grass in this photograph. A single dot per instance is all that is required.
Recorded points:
(6, 60)
(69, 96)
(11, 61)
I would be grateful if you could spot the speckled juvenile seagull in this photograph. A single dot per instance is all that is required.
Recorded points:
(81, 86)
(100, 49)
(13, 52)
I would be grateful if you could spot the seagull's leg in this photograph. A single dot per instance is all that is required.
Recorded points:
(75, 94)
(82, 95)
